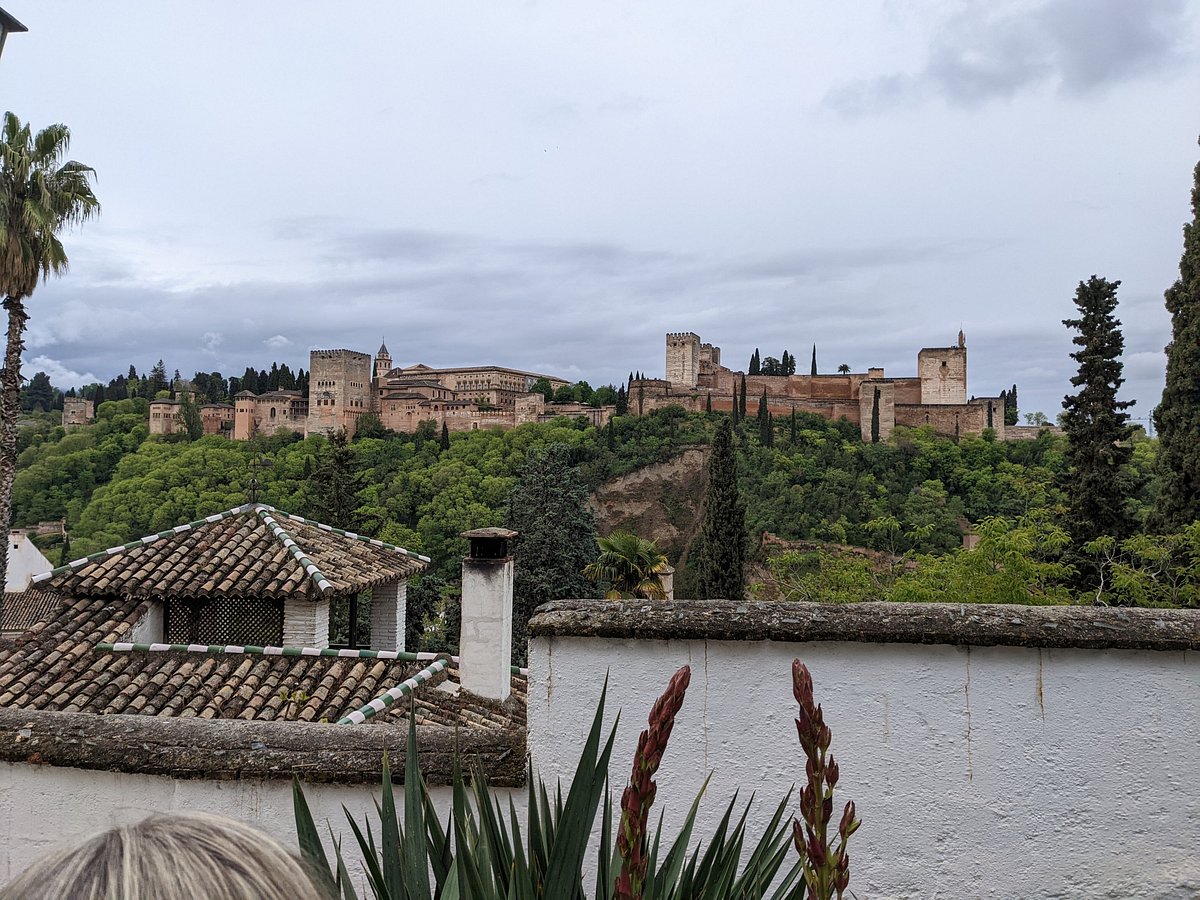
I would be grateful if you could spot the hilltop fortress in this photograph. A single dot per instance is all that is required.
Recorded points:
(344, 385)
(936, 396)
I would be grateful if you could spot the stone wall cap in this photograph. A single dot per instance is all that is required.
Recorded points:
(225, 749)
(960, 624)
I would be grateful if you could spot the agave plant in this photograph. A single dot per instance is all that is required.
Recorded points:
(484, 852)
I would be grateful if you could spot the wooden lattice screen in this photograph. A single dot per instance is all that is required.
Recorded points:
(224, 621)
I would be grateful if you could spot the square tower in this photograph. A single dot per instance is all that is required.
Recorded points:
(339, 390)
(943, 374)
(683, 359)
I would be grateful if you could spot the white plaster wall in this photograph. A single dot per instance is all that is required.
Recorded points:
(24, 561)
(43, 808)
(987, 772)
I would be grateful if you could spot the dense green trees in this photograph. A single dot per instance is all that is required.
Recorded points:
(332, 492)
(720, 549)
(1096, 482)
(557, 536)
(1177, 417)
(40, 394)
(41, 194)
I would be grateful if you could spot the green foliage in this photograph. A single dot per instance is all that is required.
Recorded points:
(1012, 563)
(1148, 569)
(332, 495)
(56, 479)
(755, 366)
(631, 567)
(40, 394)
(720, 548)
(483, 852)
(557, 536)
(189, 417)
(1096, 482)
(1177, 417)
(824, 577)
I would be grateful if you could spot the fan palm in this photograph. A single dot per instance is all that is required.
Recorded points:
(41, 194)
(631, 565)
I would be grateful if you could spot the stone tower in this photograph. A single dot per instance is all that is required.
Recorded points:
(339, 390)
(683, 359)
(383, 364)
(943, 373)
(76, 411)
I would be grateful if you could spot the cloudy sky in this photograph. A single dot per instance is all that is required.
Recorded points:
(554, 185)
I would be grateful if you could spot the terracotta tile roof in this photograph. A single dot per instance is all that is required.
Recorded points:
(24, 609)
(58, 667)
(252, 551)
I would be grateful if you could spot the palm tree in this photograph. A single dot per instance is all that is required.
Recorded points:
(40, 195)
(844, 369)
(631, 566)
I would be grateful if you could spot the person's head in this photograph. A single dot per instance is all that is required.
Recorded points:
(169, 857)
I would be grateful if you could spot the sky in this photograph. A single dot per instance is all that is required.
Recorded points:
(554, 186)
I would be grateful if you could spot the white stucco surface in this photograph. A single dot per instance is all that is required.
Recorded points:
(44, 807)
(24, 561)
(977, 772)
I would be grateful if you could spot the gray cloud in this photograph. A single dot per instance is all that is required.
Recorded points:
(991, 52)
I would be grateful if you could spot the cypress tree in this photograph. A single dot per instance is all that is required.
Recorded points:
(755, 363)
(64, 555)
(98, 397)
(742, 402)
(1011, 413)
(622, 400)
(720, 548)
(1177, 417)
(1096, 483)
(814, 360)
(444, 443)
(762, 414)
(875, 418)
(733, 410)
(332, 495)
(708, 403)
(548, 507)
(790, 364)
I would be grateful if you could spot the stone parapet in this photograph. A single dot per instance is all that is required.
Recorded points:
(223, 750)
(961, 624)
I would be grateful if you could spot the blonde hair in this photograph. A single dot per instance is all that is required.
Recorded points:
(169, 857)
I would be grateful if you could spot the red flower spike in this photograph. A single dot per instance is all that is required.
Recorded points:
(639, 794)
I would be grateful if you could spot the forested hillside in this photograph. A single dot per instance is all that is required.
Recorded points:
(912, 499)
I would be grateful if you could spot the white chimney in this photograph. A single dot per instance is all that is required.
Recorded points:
(485, 642)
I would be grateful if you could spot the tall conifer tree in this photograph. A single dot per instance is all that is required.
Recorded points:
(548, 507)
(1177, 417)
(1097, 481)
(814, 360)
(755, 363)
(720, 548)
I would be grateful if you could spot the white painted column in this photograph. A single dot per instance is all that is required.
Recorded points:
(387, 615)
(306, 622)
(485, 641)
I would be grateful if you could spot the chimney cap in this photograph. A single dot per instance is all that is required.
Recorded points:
(489, 543)
(494, 533)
